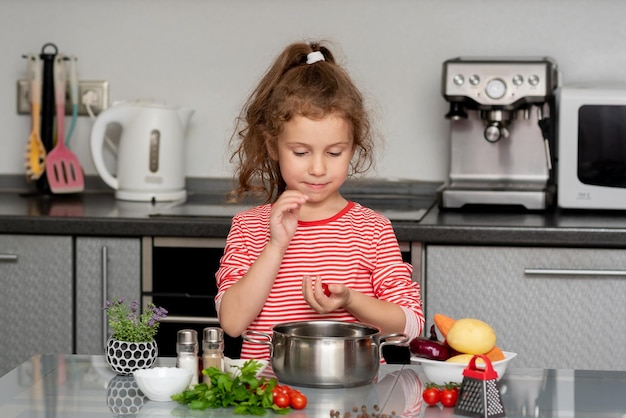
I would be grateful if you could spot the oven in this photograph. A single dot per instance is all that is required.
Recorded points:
(178, 274)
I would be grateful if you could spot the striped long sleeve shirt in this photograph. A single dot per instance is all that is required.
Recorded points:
(357, 248)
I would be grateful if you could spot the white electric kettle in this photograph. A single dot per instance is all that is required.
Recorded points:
(150, 152)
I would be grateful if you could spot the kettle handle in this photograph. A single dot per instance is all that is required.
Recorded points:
(118, 114)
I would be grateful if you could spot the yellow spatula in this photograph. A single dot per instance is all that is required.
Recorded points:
(35, 150)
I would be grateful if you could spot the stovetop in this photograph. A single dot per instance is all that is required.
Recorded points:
(391, 202)
(415, 210)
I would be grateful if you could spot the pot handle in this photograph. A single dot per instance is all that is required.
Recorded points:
(267, 339)
(396, 339)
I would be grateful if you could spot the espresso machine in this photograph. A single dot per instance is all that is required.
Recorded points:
(502, 137)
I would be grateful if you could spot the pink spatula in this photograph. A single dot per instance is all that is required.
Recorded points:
(63, 170)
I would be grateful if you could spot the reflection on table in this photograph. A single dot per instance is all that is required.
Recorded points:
(79, 386)
(63, 386)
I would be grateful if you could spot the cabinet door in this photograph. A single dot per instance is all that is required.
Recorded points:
(36, 306)
(106, 269)
(555, 307)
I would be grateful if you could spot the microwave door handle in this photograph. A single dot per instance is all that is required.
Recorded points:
(545, 133)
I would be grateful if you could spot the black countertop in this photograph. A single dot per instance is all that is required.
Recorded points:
(555, 227)
(98, 213)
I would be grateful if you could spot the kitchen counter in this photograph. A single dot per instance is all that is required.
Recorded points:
(417, 219)
(564, 228)
(79, 386)
(203, 214)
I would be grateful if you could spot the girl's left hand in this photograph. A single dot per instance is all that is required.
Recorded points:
(315, 296)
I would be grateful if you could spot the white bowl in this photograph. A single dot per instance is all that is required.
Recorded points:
(160, 383)
(231, 364)
(441, 372)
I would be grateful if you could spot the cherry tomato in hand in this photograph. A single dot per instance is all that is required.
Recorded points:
(431, 395)
(297, 400)
(325, 289)
(281, 399)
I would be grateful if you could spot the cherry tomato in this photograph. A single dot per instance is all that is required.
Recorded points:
(283, 389)
(281, 400)
(297, 400)
(431, 395)
(325, 289)
(449, 397)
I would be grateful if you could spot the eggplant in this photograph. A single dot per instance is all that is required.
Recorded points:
(430, 348)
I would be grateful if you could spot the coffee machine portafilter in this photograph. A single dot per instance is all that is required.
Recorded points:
(502, 114)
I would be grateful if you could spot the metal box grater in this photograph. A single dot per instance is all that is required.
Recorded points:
(479, 397)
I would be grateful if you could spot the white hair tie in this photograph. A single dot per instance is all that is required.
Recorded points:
(313, 57)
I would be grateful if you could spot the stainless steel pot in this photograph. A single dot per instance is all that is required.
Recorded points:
(325, 353)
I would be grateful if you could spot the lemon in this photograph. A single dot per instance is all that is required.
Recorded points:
(465, 359)
(471, 336)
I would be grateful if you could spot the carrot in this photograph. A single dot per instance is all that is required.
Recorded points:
(495, 354)
(444, 323)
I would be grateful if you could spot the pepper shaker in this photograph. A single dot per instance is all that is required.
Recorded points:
(187, 351)
(212, 349)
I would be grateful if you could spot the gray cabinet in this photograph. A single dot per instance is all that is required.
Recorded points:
(106, 269)
(36, 310)
(555, 307)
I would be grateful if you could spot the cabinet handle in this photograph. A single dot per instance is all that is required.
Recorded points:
(568, 272)
(105, 296)
(209, 320)
(8, 257)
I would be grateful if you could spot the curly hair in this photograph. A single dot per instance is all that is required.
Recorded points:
(289, 88)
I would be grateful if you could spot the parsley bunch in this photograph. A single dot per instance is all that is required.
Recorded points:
(248, 394)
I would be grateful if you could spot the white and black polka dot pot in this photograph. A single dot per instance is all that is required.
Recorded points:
(125, 357)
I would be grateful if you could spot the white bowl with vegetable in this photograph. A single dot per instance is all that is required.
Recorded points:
(442, 372)
(232, 366)
(160, 383)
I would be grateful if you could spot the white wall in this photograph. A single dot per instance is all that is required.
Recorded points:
(208, 55)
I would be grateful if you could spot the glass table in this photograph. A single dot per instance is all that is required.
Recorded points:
(83, 386)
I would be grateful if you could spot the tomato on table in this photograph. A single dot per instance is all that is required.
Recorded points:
(285, 396)
(449, 395)
(431, 395)
(297, 400)
(281, 399)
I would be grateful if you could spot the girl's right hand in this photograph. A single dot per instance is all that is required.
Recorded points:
(284, 217)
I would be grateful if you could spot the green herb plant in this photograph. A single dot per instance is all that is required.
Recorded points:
(128, 324)
(247, 393)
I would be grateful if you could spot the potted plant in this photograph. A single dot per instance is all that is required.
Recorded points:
(132, 345)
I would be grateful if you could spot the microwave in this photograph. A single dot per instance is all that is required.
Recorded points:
(592, 147)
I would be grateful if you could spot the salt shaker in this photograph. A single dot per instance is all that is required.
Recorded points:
(187, 351)
(212, 349)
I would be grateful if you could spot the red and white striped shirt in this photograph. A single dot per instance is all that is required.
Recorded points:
(357, 248)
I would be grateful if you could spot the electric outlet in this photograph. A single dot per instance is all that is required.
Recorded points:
(100, 97)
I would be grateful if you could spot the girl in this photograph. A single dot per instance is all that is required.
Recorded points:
(308, 253)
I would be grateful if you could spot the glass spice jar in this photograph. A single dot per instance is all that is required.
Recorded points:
(212, 349)
(187, 352)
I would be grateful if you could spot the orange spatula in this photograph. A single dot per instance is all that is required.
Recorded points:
(65, 175)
